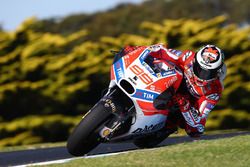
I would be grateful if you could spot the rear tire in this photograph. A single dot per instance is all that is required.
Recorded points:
(150, 141)
(85, 136)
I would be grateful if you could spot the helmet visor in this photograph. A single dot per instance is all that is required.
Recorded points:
(204, 74)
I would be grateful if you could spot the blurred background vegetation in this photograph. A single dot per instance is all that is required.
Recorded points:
(52, 71)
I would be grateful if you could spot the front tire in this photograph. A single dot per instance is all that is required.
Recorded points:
(85, 136)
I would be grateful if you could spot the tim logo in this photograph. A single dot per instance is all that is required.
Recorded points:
(139, 94)
(148, 96)
(118, 64)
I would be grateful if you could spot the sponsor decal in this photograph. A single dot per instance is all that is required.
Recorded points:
(206, 112)
(148, 67)
(145, 95)
(214, 96)
(169, 73)
(158, 75)
(152, 87)
(171, 81)
(108, 103)
(119, 72)
(118, 68)
(207, 109)
(195, 115)
(186, 56)
(210, 55)
(132, 80)
(176, 52)
(149, 128)
(188, 118)
(139, 94)
(200, 128)
(148, 96)
(135, 78)
(209, 106)
(144, 55)
(126, 60)
(134, 52)
(201, 62)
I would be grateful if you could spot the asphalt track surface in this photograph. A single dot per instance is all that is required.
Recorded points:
(57, 153)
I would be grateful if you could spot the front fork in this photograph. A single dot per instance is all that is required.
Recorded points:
(121, 112)
(116, 123)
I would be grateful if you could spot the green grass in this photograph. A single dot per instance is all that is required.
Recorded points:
(228, 152)
(181, 132)
(31, 146)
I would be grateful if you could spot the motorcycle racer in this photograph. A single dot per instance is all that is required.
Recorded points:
(201, 87)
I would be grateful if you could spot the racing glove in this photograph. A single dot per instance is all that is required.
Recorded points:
(194, 122)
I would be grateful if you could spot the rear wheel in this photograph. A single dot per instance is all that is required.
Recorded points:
(152, 140)
(148, 142)
(85, 136)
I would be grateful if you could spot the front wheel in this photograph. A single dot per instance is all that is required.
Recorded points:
(85, 136)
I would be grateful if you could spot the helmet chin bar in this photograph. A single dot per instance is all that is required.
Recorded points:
(204, 74)
(200, 82)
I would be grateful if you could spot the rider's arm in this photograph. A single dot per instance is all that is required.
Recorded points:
(196, 116)
(160, 51)
(207, 103)
(176, 56)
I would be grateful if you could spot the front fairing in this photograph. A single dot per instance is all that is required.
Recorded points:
(140, 81)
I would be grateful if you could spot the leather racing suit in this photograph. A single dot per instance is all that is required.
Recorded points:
(195, 98)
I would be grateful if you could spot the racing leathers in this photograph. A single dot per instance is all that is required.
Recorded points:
(195, 98)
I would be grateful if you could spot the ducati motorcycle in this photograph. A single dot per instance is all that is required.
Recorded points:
(134, 107)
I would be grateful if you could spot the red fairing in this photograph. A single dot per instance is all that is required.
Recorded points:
(130, 53)
(133, 52)
(148, 108)
(112, 75)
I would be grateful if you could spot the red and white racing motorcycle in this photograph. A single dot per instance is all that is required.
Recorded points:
(134, 108)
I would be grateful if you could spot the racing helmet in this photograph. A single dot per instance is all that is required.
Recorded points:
(208, 62)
